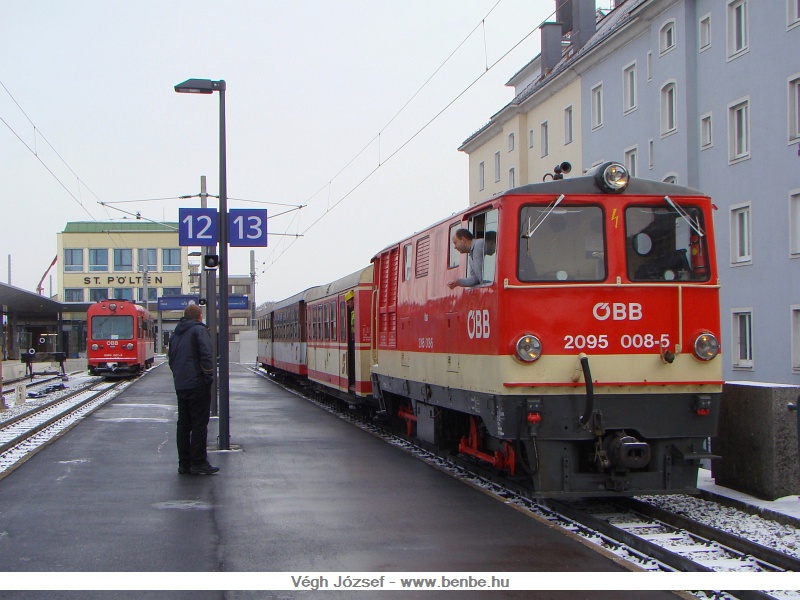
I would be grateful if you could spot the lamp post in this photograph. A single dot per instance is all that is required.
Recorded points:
(207, 86)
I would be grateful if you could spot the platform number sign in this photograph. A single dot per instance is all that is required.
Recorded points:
(247, 227)
(197, 227)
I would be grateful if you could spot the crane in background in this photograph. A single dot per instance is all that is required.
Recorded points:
(39, 288)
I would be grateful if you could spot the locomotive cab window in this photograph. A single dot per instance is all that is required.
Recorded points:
(666, 243)
(484, 228)
(561, 243)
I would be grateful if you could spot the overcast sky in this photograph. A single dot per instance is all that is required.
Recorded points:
(314, 97)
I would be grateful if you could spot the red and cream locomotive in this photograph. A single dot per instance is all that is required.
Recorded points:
(120, 338)
(585, 361)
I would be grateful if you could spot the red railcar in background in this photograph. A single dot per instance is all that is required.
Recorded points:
(121, 337)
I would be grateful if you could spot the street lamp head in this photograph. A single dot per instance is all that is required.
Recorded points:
(200, 86)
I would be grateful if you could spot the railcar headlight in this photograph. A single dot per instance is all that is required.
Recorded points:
(706, 346)
(95, 347)
(529, 348)
(129, 346)
(612, 177)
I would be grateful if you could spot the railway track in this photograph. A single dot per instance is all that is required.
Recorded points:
(24, 434)
(651, 538)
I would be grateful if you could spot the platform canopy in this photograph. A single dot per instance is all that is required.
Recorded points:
(23, 302)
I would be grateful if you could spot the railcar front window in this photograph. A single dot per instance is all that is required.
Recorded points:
(666, 243)
(561, 243)
(119, 327)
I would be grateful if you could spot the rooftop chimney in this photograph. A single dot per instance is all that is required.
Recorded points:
(551, 46)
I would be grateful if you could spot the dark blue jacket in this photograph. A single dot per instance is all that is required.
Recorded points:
(190, 355)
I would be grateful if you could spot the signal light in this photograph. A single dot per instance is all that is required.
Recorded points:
(211, 261)
(201, 302)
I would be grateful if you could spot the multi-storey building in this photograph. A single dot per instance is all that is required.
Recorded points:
(704, 93)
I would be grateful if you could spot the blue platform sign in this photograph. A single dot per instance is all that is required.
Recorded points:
(197, 226)
(247, 227)
(235, 302)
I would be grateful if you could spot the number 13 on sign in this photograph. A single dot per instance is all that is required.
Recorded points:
(247, 227)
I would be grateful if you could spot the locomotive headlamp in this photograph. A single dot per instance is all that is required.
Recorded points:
(112, 306)
(612, 177)
(706, 346)
(529, 348)
(129, 346)
(95, 347)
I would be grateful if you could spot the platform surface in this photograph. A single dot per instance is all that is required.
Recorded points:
(307, 492)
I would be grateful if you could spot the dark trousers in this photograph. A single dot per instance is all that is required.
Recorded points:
(194, 409)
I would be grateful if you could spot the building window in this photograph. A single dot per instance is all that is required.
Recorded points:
(170, 291)
(171, 259)
(73, 259)
(98, 259)
(123, 293)
(631, 160)
(597, 106)
(531, 136)
(123, 259)
(629, 88)
(737, 28)
(666, 37)
(739, 130)
(651, 154)
(568, 125)
(545, 142)
(512, 179)
(792, 13)
(649, 66)
(706, 137)
(497, 166)
(671, 178)
(742, 337)
(241, 321)
(152, 294)
(148, 259)
(794, 223)
(741, 232)
(481, 175)
(796, 339)
(794, 108)
(669, 110)
(97, 294)
(510, 142)
(73, 295)
(704, 33)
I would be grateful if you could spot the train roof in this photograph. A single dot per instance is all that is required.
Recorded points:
(348, 282)
(299, 297)
(587, 185)
(582, 185)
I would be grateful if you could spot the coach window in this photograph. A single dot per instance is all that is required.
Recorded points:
(327, 320)
(666, 243)
(561, 243)
(407, 249)
(333, 320)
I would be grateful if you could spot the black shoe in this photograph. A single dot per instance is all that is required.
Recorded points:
(203, 469)
(183, 470)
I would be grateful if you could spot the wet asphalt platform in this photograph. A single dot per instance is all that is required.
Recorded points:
(307, 493)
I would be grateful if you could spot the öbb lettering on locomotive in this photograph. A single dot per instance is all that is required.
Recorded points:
(584, 362)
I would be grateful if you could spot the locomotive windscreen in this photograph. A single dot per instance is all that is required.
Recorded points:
(116, 327)
(665, 244)
(566, 243)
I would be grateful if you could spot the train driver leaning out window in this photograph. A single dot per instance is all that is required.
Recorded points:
(475, 248)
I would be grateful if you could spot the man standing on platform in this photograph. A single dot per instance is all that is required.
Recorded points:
(192, 365)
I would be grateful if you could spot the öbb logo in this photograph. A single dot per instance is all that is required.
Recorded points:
(617, 311)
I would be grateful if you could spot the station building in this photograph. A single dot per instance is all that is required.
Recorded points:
(135, 260)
